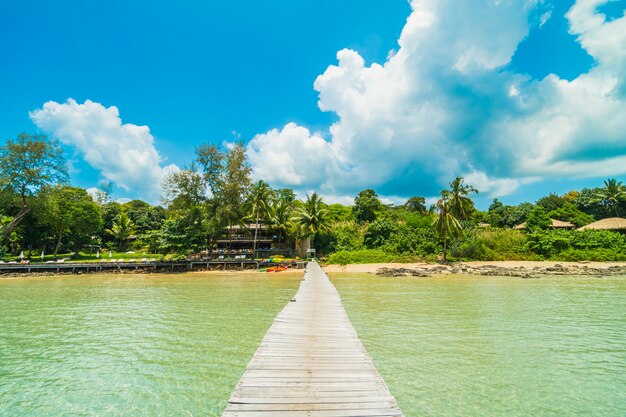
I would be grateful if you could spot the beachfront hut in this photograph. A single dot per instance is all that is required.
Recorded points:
(556, 224)
(613, 223)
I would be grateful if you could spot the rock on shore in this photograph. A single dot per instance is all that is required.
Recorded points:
(500, 271)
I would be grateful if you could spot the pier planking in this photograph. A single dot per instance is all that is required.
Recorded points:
(311, 363)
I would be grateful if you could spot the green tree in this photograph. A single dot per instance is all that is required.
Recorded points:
(570, 213)
(183, 189)
(71, 211)
(26, 165)
(461, 205)
(103, 192)
(258, 206)
(446, 225)
(366, 205)
(280, 219)
(232, 185)
(123, 228)
(611, 195)
(416, 204)
(551, 202)
(538, 219)
(286, 194)
(339, 213)
(312, 216)
(378, 233)
(211, 161)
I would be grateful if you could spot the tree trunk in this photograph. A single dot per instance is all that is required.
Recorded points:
(15, 222)
(445, 249)
(256, 231)
(56, 247)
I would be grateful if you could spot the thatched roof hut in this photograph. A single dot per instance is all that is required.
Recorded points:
(556, 224)
(612, 223)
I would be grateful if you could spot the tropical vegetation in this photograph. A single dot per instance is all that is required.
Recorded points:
(41, 213)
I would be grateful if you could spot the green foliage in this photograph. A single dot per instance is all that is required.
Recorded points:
(123, 228)
(460, 205)
(593, 245)
(406, 240)
(338, 213)
(71, 212)
(613, 193)
(346, 236)
(500, 215)
(28, 164)
(280, 213)
(503, 244)
(183, 189)
(570, 213)
(378, 233)
(538, 219)
(551, 202)
(366, 206)
(446, 225)
(416, 204)
(312, 216)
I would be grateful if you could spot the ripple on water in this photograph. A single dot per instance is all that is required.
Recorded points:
(488, 346)
(131, 346)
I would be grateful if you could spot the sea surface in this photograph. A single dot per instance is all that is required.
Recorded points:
(485, 346)
(176, 345)
(131, 345)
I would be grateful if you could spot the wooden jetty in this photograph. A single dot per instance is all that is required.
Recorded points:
(311, 363)
(145, 267)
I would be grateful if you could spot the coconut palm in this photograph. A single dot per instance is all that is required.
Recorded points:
(258, 204)
(461, 205)
(123, 228)
(280, 218)
(446, 225)
(611, 195)
(312, 216)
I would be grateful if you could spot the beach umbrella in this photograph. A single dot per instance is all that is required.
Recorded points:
(98, 254)
(22, 255)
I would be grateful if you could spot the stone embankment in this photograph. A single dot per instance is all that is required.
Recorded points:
(501, 271)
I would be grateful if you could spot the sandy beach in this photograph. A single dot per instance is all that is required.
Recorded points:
(513, 265)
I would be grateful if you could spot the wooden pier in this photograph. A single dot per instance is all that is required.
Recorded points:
(311, 363)
(144, 267)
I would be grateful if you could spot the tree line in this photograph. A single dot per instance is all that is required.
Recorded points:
(41, 211)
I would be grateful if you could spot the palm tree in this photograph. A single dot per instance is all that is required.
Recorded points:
(312, 216)
(611, 195)
(446, 224)
(280, 218)
(123, 228)
(257, 205)
(461, 205)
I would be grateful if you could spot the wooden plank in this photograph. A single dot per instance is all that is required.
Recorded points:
(311, 363)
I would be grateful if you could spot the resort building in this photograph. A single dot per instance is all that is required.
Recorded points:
(617, 224)
(556, 224)
(238, 243)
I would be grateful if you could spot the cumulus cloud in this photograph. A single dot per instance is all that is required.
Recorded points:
(445, 104)
(124, 153)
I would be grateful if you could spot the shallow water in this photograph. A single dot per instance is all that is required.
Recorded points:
(131, 345)
(485, 346)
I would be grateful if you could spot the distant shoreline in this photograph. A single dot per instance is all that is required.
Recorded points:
(524, 269)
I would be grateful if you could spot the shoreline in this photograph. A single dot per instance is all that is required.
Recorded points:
(523, 269)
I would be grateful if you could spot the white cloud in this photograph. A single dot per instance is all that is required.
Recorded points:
(444, 104)
(123, 152)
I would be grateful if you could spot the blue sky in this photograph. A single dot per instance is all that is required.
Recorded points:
(198, 71)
